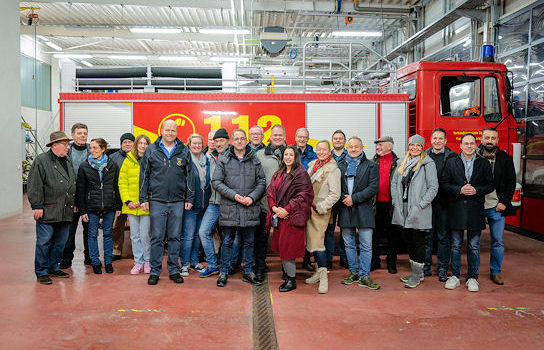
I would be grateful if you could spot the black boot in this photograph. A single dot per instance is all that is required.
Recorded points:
(392, 266)
(307, 263)
(288, 285)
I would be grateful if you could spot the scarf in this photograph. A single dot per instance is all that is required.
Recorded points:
(320, 163)
(353, 163)
(273, 150)
(407, 176)
(200, 164)
(490, 156)
(98, 164)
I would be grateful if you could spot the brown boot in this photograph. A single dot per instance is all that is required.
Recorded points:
(497, 279)
(323, 280)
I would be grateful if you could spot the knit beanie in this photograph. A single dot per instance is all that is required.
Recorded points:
(127, 136)
(417, 139)
(221, 134)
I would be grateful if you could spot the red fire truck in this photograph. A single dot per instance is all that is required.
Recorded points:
(457, 96)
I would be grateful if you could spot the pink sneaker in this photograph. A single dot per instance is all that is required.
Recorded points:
(136, 269)
(147, 267)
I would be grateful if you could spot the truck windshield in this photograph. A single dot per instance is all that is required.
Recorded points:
(460, 96)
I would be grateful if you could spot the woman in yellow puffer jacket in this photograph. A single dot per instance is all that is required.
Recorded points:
(129, 183)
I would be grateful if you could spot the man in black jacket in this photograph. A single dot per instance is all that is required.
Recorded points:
(439, 153)
(498, 203)
(240, 179)
(51, 192)
(166, 189)
(466, 179)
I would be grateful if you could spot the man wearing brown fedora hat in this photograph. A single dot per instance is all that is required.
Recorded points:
(51, 192)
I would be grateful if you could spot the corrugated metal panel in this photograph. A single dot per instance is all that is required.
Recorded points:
(106, 120)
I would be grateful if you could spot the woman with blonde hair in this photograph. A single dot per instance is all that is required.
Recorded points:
(326, 178)
(413, 188)
(129, 189)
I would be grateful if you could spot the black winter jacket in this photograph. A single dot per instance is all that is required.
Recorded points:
(441, 197)
(504, 176)
(95, 195)
(466, 212)
(365, 187)
(164, 179)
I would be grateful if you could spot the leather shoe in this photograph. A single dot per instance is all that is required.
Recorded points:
(251, 279)
(176, 277)
(108, 268)
(374, 265)
(497, 279)
(60, 274)
(222, 280)
(65, 265)
(44, 279)
(392, 267)
(344, 264)
(117, 257)
(153, 280)
(289, 285)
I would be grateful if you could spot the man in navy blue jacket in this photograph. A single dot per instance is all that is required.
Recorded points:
(166, 189)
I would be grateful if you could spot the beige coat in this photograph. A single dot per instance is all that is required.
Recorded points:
(326, 183)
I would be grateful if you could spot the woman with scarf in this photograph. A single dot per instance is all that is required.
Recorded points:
(290, 197)
(413, 188)
(98, 197)
(129, 189)
(190, 240)
(326, 178)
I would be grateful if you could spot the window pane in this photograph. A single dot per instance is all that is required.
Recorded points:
(408, 87)
(514, 33)
(536, 65)
(538, 23)
(535, 106)
(534, 177)
(517, 63)
(492, 107)
(460, 98)
(520, 102)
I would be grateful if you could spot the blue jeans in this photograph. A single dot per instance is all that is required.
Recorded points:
(473, 252)
(50, 242)
(440, 226)
(329, 241)
(496, 227)
(248, 236)
(190, 240)
(166, 219)
(365, 247)
(107, 236)
(140, 237)
(208, 222)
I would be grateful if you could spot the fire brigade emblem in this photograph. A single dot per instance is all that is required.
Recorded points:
(178, 160)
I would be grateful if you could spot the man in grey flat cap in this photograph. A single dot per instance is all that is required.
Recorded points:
(387, 163)
(51, 193)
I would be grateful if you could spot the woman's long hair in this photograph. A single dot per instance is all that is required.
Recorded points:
(134, 149)
(294, 167)
(403, 164)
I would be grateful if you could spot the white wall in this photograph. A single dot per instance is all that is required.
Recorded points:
(11, 198)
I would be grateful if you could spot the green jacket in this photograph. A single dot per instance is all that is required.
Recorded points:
(52, 189)
(129, 180)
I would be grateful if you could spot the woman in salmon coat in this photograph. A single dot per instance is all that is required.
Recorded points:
(290, 197)
(326, 178)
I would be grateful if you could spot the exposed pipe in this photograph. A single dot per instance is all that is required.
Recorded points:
(369, 9)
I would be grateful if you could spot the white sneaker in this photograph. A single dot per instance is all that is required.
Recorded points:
(185, 270)
(452, 283)
(198, 267)
(473, 285)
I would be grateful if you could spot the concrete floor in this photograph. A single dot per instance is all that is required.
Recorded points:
(121, 311)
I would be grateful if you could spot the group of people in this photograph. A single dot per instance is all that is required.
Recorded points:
(183, 194)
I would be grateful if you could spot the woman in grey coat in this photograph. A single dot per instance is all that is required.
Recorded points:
(413, 188)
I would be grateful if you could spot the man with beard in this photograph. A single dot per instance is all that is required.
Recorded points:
(270, 158)
(498, 203)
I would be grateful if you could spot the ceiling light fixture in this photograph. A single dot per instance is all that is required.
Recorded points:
(156, 30)
(178, 58)
(72, 55)
(223, 31)
(361, 33)
(53, 45)
(127, 57)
